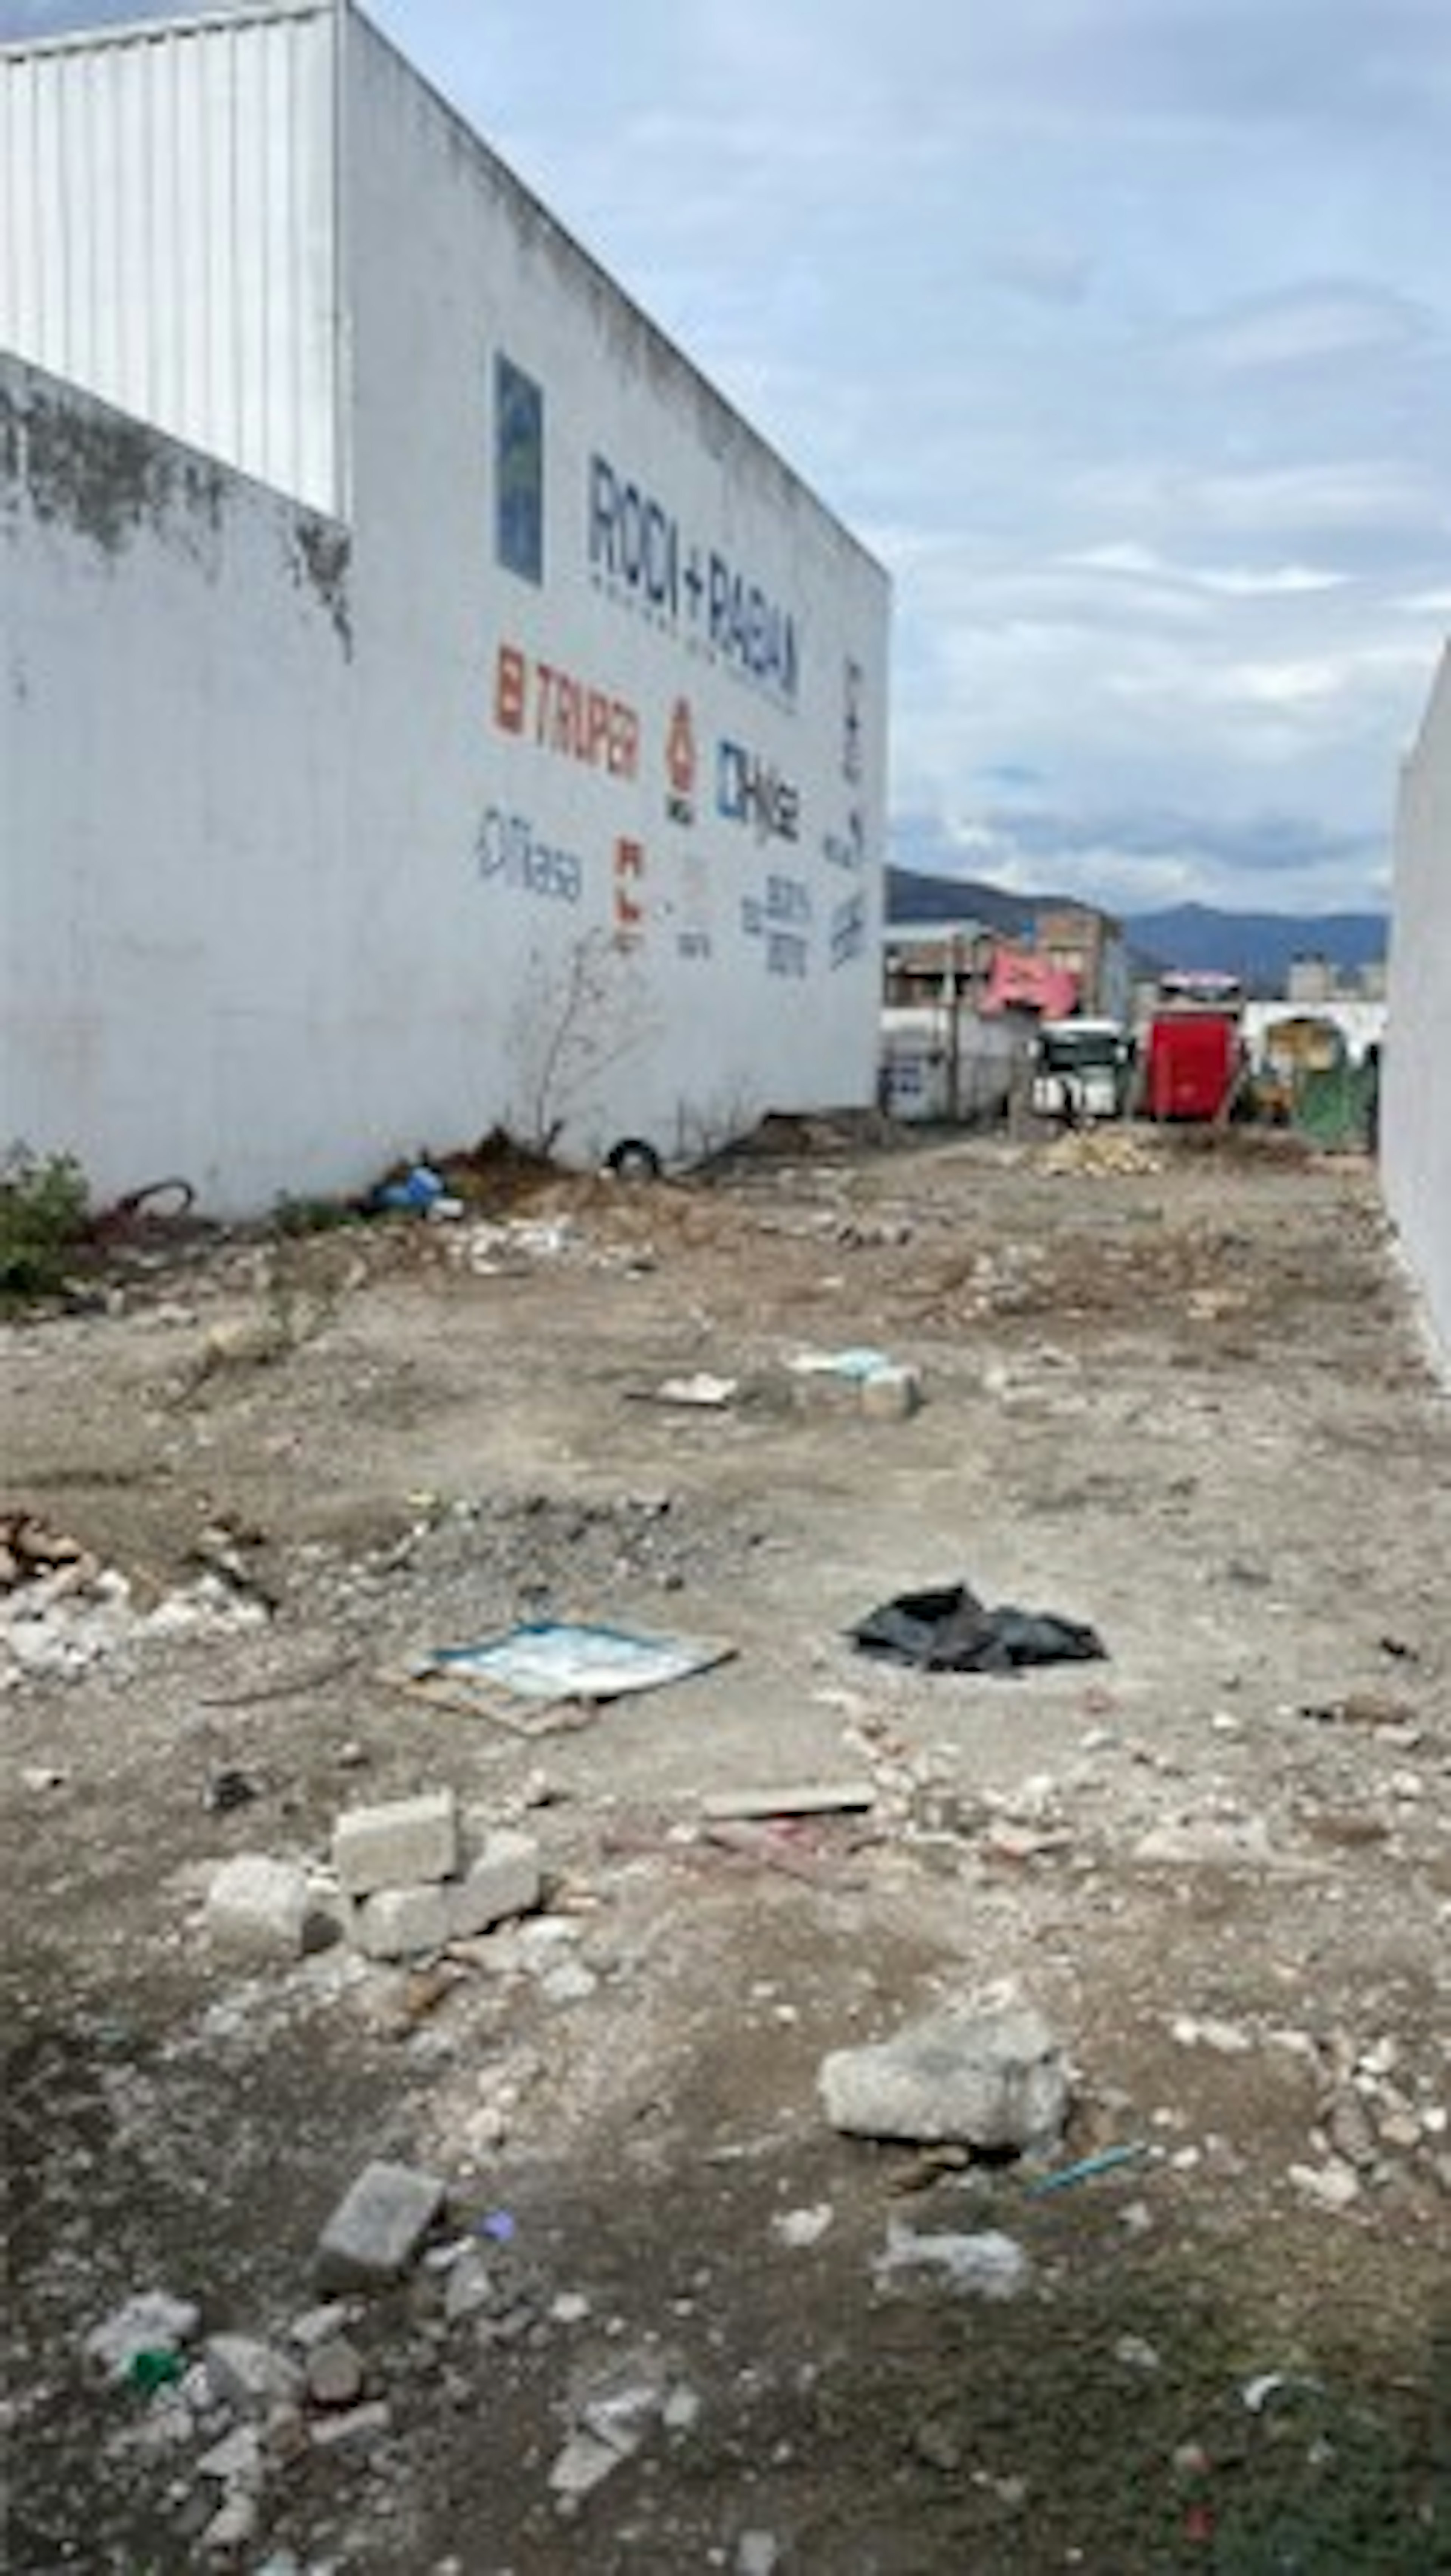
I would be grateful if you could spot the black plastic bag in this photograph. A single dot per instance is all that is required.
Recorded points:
(951, 1631)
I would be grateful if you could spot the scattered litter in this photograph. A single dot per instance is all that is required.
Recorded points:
(417, 1193)
(1257, 2392)
(1087, 2169)
(987, 2265)
(852, 1365)
(156, 2366)
(499, 2225)
(704, 1392)
(847, 1797)
(951, 1631)
(525, 1676)
(152, 2322)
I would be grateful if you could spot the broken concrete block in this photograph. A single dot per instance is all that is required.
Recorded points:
(502, 1880)
(397, 1922)
(409, 1843)
(377, 2227)
(891, 1394)
(249, 2376)
(258, 1908)
(990, 2076)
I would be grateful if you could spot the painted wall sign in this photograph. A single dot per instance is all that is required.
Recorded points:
(848, 931)
(853, 692)
(518, 471)
(639, 553)
(681, 763)
(848, 849)
(550, 707)
(780, 918)
(629, 893)
(752, 791)
(509, 854)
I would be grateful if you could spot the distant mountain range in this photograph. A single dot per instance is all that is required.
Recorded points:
(1258, 946)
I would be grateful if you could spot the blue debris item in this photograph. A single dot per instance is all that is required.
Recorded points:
(499, 2225)
(1087, 2169)
(415, 1195)
(551, 1660)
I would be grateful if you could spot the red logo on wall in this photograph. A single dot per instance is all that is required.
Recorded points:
(680, 764)
(629, 889)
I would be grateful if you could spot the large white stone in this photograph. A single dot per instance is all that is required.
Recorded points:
(408, 1843)
(989, 2076)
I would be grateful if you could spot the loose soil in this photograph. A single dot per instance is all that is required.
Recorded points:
(1184, 1400)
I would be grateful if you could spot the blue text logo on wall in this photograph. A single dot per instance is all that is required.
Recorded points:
(752, 791)
(640, 553)
(518, 470)
(508, 854)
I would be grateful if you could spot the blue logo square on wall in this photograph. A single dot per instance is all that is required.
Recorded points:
(518, 471)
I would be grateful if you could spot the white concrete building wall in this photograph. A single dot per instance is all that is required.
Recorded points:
(168, 233)
(1416, 1104)
(548, 789)
(732, 960)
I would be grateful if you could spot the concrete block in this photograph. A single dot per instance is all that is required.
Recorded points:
(258, 1908)
(398, 1922)
(411, 1842)
(377, 2227)
(503, 1879)
(891, 1394)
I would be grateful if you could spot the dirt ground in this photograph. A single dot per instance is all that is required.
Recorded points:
(1177, 1393)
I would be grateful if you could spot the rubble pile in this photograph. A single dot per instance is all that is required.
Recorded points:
(62, 1610)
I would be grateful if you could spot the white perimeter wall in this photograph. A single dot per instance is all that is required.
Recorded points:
(172, 808)
(1416, 1117)
(290, 885)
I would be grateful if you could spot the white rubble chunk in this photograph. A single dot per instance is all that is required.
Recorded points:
(377, 2227)
(990, 2076)
(986, 2265)
(152, 2321)
(257, 1908)
(249, 2375)
(408, 1843)
(502, 1879)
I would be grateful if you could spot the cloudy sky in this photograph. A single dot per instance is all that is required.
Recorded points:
(1121, 329)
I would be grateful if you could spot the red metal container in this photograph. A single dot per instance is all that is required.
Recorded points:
(1191, 1064)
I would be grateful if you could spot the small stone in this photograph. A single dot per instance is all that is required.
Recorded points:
(377, 2227)
(1400, 2130)
(985, 2265)
(334, 2373)
(583, 2464)
(758, 2553)
(800, 2228)
(410, 1842)
(891, 1394)
(319, 2325)
(935, 2444)
(359, 2424)
(231, 2530)
(1333, 2186)
(570, 2308)
(682, 2409)
(257, 1908)
(1135, 2354)
(469, 2286)
(40, 1779)
(235, 2461)
(570, 1983)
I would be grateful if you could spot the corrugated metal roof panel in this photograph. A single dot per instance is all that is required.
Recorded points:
(168, 231)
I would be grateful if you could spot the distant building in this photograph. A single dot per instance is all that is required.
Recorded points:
(1416, 1101)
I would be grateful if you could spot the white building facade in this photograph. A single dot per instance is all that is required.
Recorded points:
(424, 704)
(1416, 1111)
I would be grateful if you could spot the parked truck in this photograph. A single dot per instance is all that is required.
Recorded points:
(1193, 1057)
